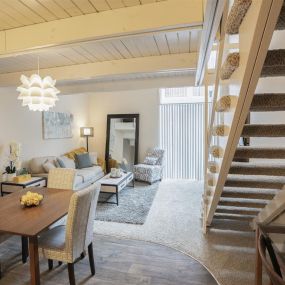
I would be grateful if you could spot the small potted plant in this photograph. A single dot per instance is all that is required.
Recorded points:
(13, 162)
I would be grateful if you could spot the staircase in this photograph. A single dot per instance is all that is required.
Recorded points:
(243, 180)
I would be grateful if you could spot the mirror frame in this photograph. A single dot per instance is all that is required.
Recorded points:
(122, 116)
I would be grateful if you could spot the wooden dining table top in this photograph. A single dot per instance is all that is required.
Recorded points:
(15, 219)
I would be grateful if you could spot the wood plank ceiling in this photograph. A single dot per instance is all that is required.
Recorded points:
(18, 13)
(162, 43)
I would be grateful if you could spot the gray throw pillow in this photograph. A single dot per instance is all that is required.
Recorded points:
(83, 160)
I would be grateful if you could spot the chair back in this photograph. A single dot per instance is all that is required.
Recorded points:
(80, 220)
(272, 267)
(159, 154)
(61, 178)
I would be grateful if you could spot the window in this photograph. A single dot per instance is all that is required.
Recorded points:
(182, 131)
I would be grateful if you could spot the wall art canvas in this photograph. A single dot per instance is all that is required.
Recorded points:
(57, 125)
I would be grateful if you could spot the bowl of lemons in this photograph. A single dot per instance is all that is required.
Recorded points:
(31, 199)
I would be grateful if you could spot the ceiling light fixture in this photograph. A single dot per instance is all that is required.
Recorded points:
(37, 93)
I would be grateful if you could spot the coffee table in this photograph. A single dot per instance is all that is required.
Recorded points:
(115, 185)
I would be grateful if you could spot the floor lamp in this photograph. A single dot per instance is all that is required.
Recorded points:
(87, 132)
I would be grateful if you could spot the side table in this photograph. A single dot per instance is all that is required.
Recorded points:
(8, 187)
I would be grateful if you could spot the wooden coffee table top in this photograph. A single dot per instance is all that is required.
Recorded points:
(15, 219)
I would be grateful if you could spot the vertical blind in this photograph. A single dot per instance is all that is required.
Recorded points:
(182, 137)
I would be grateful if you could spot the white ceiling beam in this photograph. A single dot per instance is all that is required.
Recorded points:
(132, 84)
(150, 64)
(134, 20)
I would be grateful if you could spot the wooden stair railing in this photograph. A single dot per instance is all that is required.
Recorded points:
(237, 77)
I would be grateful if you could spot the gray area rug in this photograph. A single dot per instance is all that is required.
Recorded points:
(134, 205)
(175, 220)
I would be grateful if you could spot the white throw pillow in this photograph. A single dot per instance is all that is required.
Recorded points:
(66, 162)
(150, 160)
(93, 157)
(48, 165)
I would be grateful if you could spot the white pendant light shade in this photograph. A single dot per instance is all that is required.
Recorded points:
(37, 93)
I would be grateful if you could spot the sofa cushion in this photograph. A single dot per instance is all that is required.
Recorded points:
(66, 162)
(89, 173)
(142, 168)
(93, 158)
(83, 160)
(36, 164)
(48, 165)
(78, 180)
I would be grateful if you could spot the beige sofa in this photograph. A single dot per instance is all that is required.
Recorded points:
(84, 177)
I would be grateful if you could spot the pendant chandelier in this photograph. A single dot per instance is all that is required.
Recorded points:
(37, 93)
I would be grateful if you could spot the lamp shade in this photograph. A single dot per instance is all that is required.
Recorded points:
(37, 93)
(87, 132)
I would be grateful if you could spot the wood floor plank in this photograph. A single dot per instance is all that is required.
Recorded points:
(118, 262)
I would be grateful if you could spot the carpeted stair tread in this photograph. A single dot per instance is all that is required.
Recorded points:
(281, 20)
(260, 152)
(255, 168)
(237, 211)
(236, 15)
(242, 203)
(236, 217)
(230, 65)
(234, 225)
(274, 64)
(268, 102)
(248, 193)
(262, 130)
(255, 181)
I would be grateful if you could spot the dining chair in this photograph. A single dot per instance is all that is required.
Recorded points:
(3, 237)
(271, 264)
(69, 243)
(61, 178)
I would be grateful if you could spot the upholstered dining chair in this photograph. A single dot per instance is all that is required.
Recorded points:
(3, 237)
(61, 178)
(69, 243)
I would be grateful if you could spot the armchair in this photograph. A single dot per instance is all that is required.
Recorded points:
(151, 170)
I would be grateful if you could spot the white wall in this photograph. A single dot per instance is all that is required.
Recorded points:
(19, 124)
(144, 102)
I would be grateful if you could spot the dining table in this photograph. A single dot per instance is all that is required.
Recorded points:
(29, 222)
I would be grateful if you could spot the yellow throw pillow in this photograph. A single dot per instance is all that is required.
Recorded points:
(72, 153)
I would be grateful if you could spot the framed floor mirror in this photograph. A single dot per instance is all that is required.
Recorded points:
(122, 141)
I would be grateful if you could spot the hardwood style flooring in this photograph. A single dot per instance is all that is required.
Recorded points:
(118, 262)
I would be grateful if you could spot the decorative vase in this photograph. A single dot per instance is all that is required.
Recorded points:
(10, 176)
